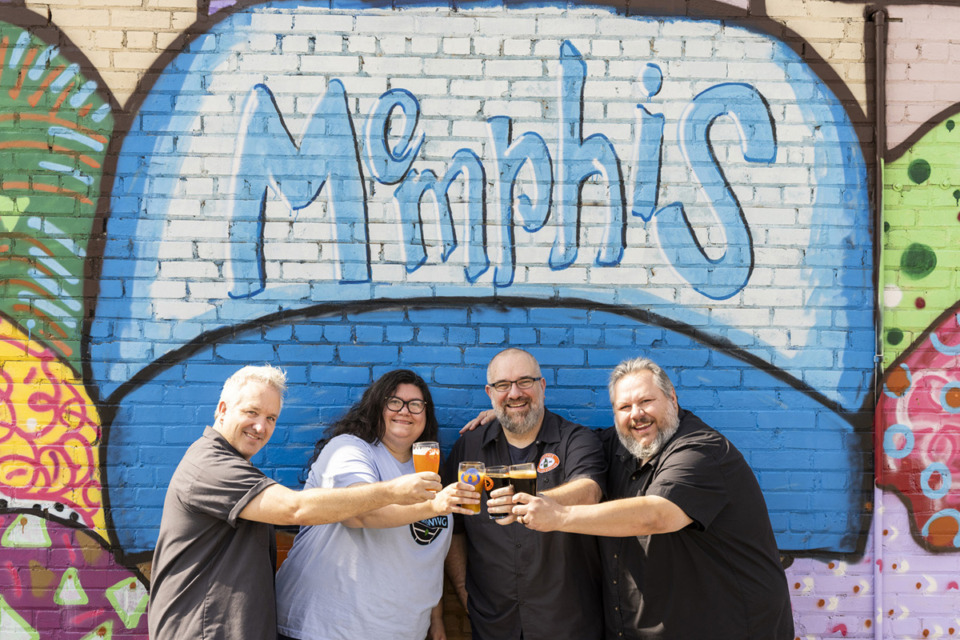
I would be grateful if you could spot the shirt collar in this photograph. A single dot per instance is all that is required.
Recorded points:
(549, 429)
(217, 437)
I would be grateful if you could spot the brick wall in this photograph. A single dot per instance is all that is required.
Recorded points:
(186, 189)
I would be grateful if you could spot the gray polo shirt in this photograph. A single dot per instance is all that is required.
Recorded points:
(213, 572)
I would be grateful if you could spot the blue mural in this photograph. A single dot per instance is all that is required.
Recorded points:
(332, 356)
(337, 215)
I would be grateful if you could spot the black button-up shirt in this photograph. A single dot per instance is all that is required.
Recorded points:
(545, 586)
(719, 577)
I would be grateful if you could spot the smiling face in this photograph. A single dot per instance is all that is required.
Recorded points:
(645, 416)
(520, 411)
(248, 423)
(402, 428)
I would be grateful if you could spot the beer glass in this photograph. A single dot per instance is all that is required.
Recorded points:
(523, 477)
(496, 478)
(426, 456)
(472, 473)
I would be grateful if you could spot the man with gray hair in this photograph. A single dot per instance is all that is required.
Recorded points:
(685, 524)
(213, 567)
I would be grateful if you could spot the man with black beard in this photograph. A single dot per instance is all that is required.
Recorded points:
(517, 583)
(685, 529)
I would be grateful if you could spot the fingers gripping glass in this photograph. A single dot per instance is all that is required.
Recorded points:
(396, 405)
(522, 383)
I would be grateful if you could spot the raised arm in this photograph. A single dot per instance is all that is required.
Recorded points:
(443, 503)
(640, 516)
(279, 505)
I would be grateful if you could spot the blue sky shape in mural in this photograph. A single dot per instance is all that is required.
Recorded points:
(736, 205)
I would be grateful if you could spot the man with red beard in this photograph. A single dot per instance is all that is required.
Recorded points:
(517, 583)
(686, 527)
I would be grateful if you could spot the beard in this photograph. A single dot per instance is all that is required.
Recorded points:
(671, 422)
(520, 425)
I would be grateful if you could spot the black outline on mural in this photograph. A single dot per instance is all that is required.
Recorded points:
(861, 419)
(753, 17)
(45, 29)
(897, 152)
(698, 9)
(136, 570)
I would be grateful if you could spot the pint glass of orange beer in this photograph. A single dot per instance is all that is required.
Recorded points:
(426, 456)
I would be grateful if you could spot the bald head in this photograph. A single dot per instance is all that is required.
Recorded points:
(516, 390)
(510, 359)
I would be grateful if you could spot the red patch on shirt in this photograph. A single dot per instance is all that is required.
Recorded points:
(547, 462)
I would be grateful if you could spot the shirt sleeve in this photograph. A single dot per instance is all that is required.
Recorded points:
(585, 457)
(691, 478)
(223, 486)
(346, 461)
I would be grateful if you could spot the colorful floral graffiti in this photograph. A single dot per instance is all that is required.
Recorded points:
(918, 435)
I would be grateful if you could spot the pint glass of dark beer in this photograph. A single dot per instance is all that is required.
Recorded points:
(523, 477)
(496, 478)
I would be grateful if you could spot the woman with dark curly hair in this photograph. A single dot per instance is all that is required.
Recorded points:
(379, 575)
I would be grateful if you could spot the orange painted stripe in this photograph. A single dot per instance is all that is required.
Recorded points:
(35, 98)
(31, 144)
(47, 188)
(3, 55)
(29, 285)
(31, 262)
(30, 239)
(57, 121)
(47, 320)
(15, 92)
(60, 99)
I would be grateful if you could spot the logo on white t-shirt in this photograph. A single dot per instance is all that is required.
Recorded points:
(426, 531)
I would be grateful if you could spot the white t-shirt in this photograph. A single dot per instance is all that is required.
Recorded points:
(361, 584)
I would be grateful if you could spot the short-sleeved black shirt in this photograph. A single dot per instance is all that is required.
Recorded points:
(719, 577)
(213, 572)
(543, 585)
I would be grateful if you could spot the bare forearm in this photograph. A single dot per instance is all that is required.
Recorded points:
(456, 566)
(323, 506)
(617, 518)
(279, 505)
(392, 516)
(437, 630)
(577, 491)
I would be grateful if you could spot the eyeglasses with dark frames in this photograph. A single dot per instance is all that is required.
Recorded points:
(522, 383)
(396, 405)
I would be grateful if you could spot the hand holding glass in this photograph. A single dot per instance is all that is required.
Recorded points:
(472, 473)
(496, 478)
(426, 456)
(523, 477)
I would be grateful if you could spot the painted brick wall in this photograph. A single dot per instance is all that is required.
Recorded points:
(185, 189)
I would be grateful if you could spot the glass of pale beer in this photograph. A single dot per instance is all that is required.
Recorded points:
(472, 473)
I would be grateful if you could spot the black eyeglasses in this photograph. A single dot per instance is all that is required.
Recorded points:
(396, 405)
(522, 383)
